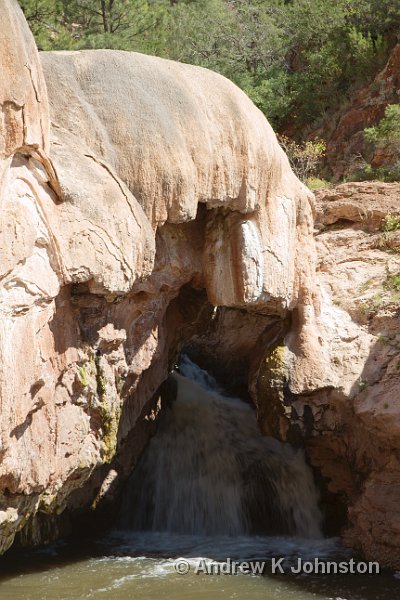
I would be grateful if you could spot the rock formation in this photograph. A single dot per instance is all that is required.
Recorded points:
(350, 427)
(159, 179)
(157, 211)
(344, 134)
(356, 437)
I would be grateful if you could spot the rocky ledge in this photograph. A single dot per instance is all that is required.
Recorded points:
(351, 429)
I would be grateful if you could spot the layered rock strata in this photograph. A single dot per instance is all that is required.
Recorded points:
(350, 427)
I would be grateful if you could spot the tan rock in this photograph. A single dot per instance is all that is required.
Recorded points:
(193, 137)
(356, 436)
(359, 205)
(24, 117)
(163, 178)
(166, 185)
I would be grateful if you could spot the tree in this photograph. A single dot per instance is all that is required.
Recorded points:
(45, 18)
(79, 24)
(297, 59)
(386, 134)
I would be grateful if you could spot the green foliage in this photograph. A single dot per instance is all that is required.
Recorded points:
(45, 20)
(391, 223)
(388, 173)
(392, 287)
(395, 282)
(315, 183)
(273, 95)
(375, 17)
(80, 24)
(362, 384)
(83, 376)
(304, 158)
(386, 134)
(297, 59)
(384, 140)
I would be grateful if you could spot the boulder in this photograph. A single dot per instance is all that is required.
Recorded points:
(160, 192)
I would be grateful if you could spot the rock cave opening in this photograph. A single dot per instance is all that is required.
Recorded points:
(197, 461)
(209, 471)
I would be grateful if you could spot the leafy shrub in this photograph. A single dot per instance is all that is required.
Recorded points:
(389, 173)
(386, 134)
(385, 138)
(314, 183)
(395, 282)
(304, 158)
(391, 223)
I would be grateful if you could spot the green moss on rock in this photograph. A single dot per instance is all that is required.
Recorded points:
(272, 385)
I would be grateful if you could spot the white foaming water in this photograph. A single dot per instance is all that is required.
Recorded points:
(209, 471)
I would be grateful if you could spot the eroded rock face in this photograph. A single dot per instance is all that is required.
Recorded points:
(351, 428)
(359, 264)
(24, 108)
(184, 136)
(346, 143)
(162, 186)
(161, 212)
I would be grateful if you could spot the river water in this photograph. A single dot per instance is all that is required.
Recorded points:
(126, 565)
(209, 494)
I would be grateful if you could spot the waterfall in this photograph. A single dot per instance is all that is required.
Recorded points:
(208, 470)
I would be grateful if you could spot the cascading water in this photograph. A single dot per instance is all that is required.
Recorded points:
(209, 471)
(207, 482)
